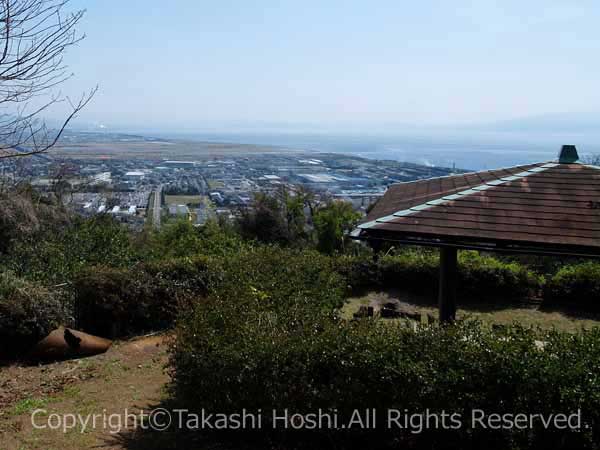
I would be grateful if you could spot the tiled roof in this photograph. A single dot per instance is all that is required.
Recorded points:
(546, 207)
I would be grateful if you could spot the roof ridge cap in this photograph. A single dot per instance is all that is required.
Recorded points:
(471, 173)
(466, 192)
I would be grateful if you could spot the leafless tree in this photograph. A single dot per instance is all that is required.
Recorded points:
(34, 35)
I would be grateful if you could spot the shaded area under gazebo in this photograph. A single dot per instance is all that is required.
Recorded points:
(550, 208)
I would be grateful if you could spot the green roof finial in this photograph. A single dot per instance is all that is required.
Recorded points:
(568, 154)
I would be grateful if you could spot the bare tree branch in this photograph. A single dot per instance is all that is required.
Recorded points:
(48, 141)
(34, 35)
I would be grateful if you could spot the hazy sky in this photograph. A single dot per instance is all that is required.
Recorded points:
(187, 64)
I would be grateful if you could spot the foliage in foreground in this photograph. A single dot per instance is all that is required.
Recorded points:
(55, 255)
(417, 270)
(118, 301)
(124, 283)
(332, 223)
(27, 314)
(255, 355)
(576, 285)
(115, 302)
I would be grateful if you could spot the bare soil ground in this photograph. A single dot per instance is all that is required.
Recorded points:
(130, 376)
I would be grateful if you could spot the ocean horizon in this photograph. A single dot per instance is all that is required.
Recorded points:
(466, 150)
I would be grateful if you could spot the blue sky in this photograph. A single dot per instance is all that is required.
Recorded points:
(186, 65)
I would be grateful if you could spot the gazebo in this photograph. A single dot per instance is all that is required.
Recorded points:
(550, 208)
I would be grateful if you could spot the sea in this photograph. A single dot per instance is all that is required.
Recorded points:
(471, 150)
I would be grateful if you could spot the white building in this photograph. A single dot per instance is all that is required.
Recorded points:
(135, 175)
(100, 178)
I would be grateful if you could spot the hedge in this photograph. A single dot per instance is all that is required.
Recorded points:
(480, 277)
(487, 277)
(576, 286)
(229, 356)
(121, 301)
(28, 312)
(55, 256)
(115, 301)
(283, 275)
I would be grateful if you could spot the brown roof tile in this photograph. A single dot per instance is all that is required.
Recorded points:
(547, 206)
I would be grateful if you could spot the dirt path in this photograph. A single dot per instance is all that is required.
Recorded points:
(129, 377)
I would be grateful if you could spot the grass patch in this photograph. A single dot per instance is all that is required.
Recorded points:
(504, 315)
(353, 305)
(28, 405)
(183, 199)
(214, 184)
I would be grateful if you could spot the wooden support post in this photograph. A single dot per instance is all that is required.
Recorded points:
(448, 276)
(376, 246)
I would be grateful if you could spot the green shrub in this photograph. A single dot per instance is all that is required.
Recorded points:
(480, 277)
(358, 272)
(107, 301)
(118, 301)
(234, 355)
(281, 277)
(55, 256)
(183, 276)
(181, 239)
(176, 239)
(115, 302)
(413, 270)
(485, 277)
(27, 314)
(575, 285)
(332, 223)
(220, 239)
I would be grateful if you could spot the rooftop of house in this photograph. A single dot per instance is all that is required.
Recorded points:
(551, 207)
